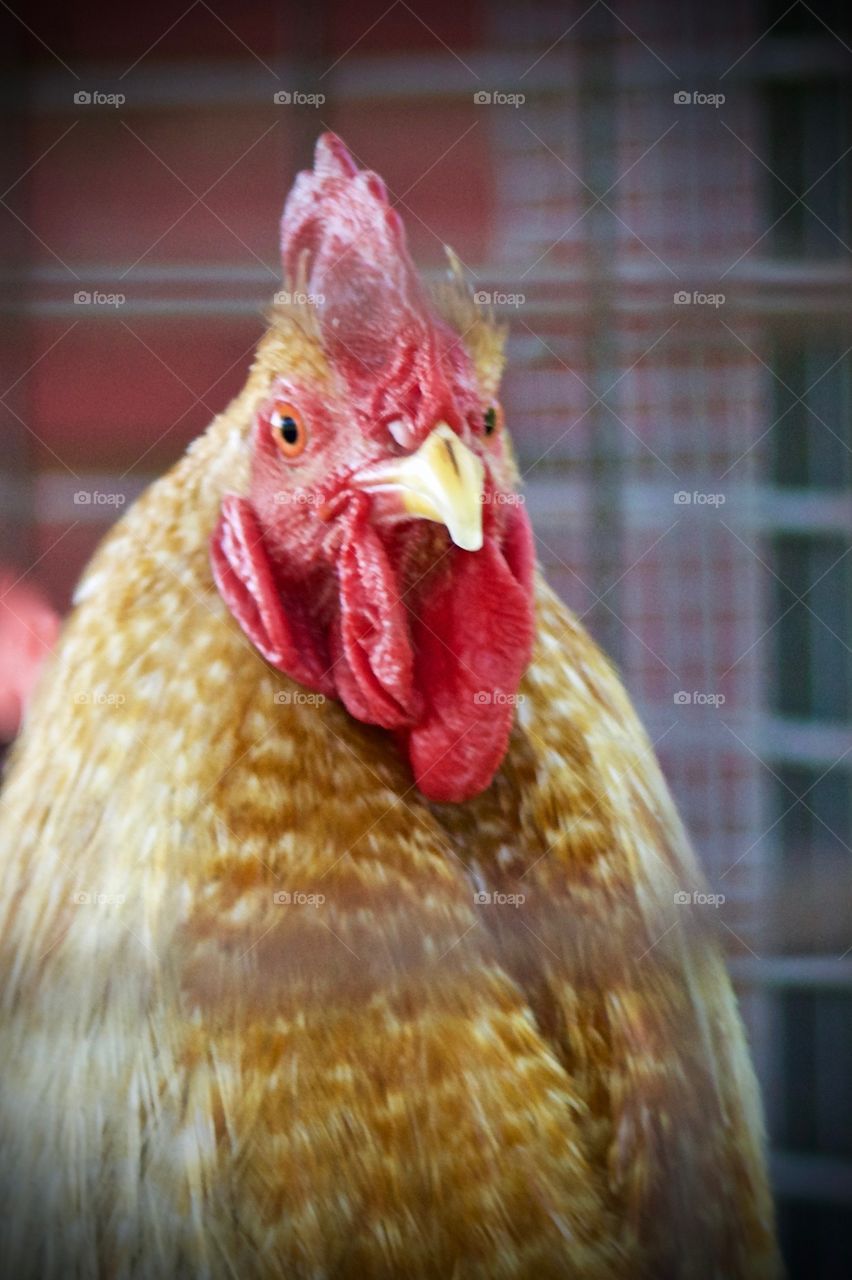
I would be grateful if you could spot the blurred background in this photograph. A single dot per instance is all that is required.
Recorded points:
(658, 199)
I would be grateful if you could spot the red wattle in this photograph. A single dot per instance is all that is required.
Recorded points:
(472, 641)
(278, 628)
(371, 645)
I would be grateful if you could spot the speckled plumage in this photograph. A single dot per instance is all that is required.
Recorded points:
(398, 1080)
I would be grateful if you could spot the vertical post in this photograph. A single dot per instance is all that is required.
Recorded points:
(598, 132)
(16, 511)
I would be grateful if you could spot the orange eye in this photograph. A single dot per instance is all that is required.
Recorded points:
(492, 420)
(288, 429)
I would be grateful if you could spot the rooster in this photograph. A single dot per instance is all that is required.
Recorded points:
(341, 932)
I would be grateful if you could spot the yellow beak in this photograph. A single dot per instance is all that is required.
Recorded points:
(443, 480)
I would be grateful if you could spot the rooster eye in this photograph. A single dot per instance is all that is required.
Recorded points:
(288, 429)
(492, 419)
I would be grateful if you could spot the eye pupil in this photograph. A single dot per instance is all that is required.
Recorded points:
(490, 420)
(289, 430)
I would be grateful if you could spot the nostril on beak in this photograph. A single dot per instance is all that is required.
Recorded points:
(401, 433)
(451, 454)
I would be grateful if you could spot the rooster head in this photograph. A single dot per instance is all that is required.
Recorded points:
(381, 555)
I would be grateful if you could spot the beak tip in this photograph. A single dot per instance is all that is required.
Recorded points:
(467, 541)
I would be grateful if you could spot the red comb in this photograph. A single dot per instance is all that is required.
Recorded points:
(337, 225)
(332, 158)
(344, 244)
